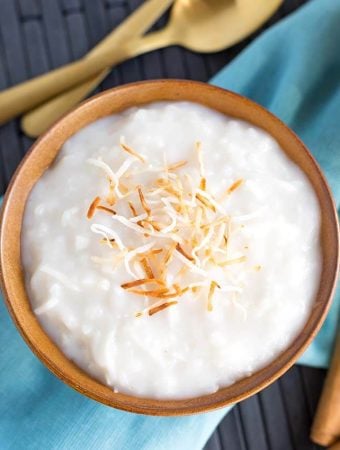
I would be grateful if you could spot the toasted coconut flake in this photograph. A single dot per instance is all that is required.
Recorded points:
(153, 260)
(177, 165)
(180, 291)
(204, 241)
(220, 220)
(155, 225)
(162, 182)
(169, 254)
(138, 219)
(132, 152)
(138, 270)
(171, 207)
(132, 254)
(147, 309)
(159, 308)
(229, 262)
(177, 292)
(171, 226)
(105, 240)
(129, 224)
(219, 239)
(212, 201)
(180, 190)
(155, 293)
(180, 249)
(142, 230)
(192, 188)
(146, 267)
(155, 251)
(213, 286)
(133, 209)
(143, 202)
(234, 186)
(197, 285)
(140, 282)
(203, 184)
(111, 198)
(104, 208)
(205, 202)
(162, 293)
(124, 167)
(135, 283)
(108, 233)
(124, 189)
(258, 267)
(110, 242)
(171, 190)
(191, 265)
(93, 207)
(113, 179)
(107, 169)
(153, 193)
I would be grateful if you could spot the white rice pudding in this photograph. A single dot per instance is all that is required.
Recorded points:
(231, 236)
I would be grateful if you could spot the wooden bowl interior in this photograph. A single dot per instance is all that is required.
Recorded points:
(42, 155)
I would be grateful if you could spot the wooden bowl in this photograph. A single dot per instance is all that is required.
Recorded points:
(42, 155)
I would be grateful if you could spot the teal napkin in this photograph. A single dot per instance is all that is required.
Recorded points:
(294, 70)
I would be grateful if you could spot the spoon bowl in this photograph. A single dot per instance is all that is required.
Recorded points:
(211, 26)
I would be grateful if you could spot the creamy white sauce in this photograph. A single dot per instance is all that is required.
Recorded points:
(185, 350)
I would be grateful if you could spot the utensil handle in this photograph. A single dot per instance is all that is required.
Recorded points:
(326, 425)
(24, 96)
(29, 94)
(38, 120)
(133, 26)
(336, 446)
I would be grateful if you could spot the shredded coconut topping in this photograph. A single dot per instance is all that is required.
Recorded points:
(177, 207)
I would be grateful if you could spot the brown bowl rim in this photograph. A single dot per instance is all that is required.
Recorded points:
(243, 388)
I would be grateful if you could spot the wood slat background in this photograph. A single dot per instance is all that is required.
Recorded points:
(39, 35)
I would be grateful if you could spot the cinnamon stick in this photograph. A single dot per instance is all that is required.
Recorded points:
(336, 446)
(326, 425)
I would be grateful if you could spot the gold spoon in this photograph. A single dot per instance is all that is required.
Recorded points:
(29, 94)
(200, 25)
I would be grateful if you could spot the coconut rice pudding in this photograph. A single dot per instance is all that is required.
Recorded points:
(171, 250)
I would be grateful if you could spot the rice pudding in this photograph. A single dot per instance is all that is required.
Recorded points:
(170, 250)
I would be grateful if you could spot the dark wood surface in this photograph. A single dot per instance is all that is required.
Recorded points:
(38, 35)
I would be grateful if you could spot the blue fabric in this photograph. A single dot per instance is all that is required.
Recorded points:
(293, 70)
